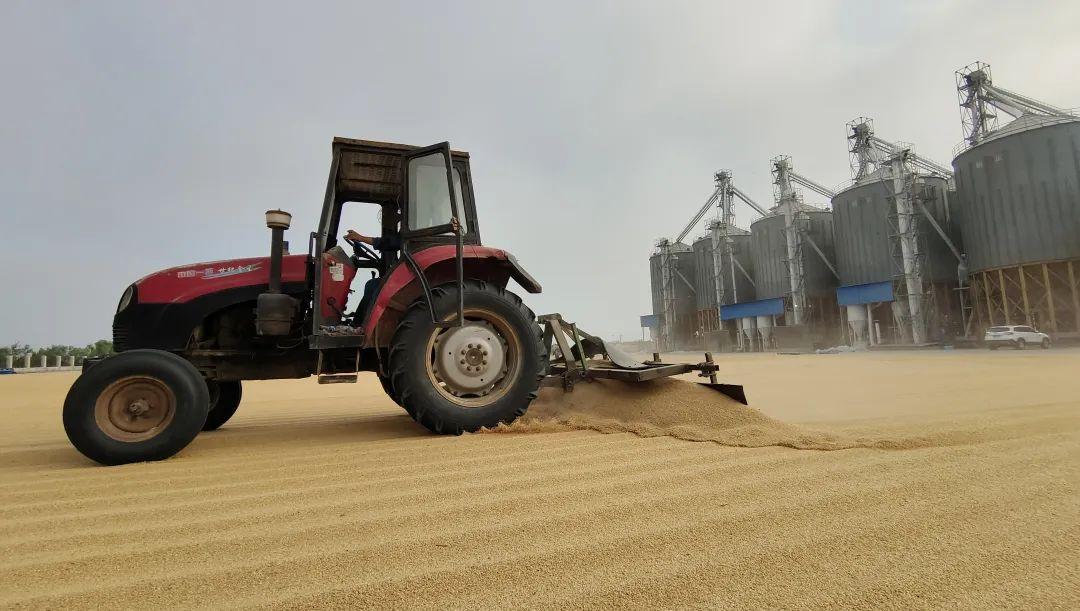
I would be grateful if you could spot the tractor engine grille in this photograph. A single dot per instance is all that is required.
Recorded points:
(120, 334)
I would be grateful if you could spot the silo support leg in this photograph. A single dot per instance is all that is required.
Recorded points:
(1024, 295)
(1049, 299)
(1075, 297)
(1004, 296)
(976, 304)
(989, 302)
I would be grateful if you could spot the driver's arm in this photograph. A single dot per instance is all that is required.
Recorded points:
(382, 244)
(359, 237)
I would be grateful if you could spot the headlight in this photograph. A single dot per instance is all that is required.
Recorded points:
(125, 299)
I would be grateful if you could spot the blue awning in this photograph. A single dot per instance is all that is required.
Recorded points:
(857, 294)
(763, 307)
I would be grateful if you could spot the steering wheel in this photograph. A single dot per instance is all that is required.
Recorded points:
(362, 250)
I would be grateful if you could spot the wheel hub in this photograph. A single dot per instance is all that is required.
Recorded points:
(470, 359)
(134, 408)
(138, 407)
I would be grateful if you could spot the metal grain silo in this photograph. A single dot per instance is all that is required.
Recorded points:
(703, 275)
(861, 221)
(741, 288)
(1018, 194)
(1018, 205)
(864, 225)
(674, 294)
(687, 322)
(769, 249)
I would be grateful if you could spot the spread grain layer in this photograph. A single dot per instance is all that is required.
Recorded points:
(957, 487)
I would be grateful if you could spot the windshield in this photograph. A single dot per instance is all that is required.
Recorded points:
(429, 199)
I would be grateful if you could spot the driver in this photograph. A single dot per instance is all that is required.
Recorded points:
(386, 244)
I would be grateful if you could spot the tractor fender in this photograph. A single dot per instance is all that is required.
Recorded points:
(522, 277)
(402, 286)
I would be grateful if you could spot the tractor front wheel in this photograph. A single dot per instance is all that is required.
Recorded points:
(136, 406)
(388, 387)
(479, 374)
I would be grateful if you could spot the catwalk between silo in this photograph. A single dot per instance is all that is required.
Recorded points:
(675, 408)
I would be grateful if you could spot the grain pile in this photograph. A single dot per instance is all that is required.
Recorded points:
(683, 410)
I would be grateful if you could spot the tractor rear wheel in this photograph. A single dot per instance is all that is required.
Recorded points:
(463, 378)
(224, 399)
(136, 406)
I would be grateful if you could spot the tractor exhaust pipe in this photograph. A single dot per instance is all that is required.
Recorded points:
(274, 312)
(278, 221)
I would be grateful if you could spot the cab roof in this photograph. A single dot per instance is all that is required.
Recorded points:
(369, 170)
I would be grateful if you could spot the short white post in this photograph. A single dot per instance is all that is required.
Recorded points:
(57, 361)
(10, 361)
(71, 361)
(44, 361)
(870, 324)
(26, 361)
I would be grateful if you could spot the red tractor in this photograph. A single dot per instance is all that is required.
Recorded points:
(449, 342)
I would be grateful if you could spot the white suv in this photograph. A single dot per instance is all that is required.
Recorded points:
(1016, 336)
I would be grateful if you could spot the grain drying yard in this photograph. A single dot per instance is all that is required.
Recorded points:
(865, 490)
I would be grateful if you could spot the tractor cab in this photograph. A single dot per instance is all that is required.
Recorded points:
(419, 210)
(358, 288)
(425, 200)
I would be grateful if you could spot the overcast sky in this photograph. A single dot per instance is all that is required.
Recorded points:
(136, 136)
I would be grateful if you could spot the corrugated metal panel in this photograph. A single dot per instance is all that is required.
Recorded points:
(819, 278)
(863, 252)
(940, 261)
(864, 249)
(685, 299)
(770, 253)
(744, 289)
(1018, 197)
(764, 307)
(769, 248)
(874, 292)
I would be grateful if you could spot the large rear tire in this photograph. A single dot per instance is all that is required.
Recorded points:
(136, 406)
(224, 400)
(464, 378)
(1020, 344)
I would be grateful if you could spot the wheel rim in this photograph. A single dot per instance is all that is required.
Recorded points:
(135, 408)
(476, 364)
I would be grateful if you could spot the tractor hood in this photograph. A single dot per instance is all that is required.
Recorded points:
(187, 282)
